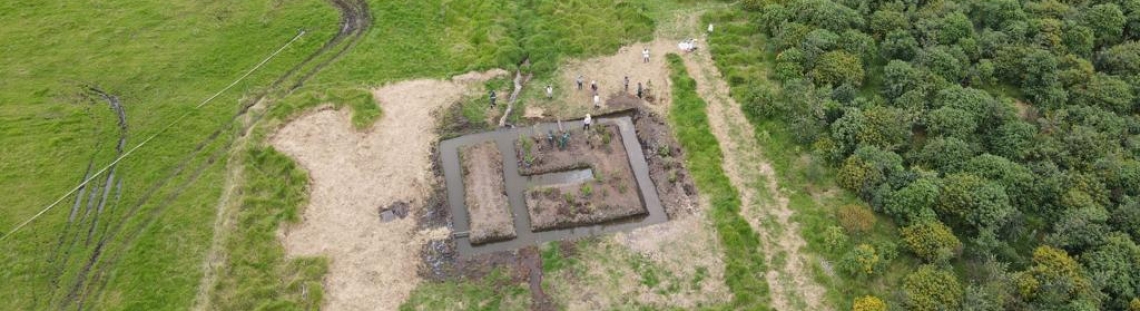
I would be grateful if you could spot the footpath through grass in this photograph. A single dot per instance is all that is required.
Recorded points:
(744, 265)
(742, 54)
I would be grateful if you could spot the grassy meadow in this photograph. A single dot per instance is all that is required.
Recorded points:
(160, 59)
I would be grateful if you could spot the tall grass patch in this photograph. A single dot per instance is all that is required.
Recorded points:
(256, 274)
(365, 110)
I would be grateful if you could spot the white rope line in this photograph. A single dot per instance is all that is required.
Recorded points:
(144, 142)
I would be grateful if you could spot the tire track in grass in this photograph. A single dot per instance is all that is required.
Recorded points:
(355, 21)
(61, 255)
(109, 183)
(99, 280)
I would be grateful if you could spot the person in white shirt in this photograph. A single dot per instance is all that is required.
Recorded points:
(549, 92)
(597, 101)
(586, 122)
(645, 55)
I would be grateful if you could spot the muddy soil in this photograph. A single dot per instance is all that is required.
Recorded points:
(539, 155)
(490, 216)
(610, 196)
(666, 164)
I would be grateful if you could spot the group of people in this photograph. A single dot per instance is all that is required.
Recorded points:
(580, 81)
(641, 91)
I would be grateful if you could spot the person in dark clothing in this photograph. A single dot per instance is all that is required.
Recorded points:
(594, 86)
(639, 90)
(493, 98)
(627, 84)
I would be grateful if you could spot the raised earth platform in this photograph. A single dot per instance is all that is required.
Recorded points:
(597, 183)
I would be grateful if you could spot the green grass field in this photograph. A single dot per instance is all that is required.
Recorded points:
(161, 59)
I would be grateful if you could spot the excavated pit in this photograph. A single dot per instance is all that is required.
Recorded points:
(622, 195)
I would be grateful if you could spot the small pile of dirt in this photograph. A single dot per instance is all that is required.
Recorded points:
(397, 210)
(487, 207)
(666, 164)
(442, 263)
(610, 196)
(623, 101)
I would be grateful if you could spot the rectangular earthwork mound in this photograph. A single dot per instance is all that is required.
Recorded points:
(610, 195)
(486, 200)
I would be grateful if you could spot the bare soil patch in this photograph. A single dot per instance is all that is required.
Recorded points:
(490, 215)
(610, 72)
(610, 196)
(353, 173)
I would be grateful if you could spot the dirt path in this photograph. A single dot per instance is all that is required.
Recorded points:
(354, 173)
(791, 281)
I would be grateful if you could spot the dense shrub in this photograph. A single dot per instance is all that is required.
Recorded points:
(869, 303)
(856, 219)
(862, 261)
(932, 241)
(1007, 124)
(931, 289)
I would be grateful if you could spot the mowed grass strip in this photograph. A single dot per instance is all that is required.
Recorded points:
(744, 265)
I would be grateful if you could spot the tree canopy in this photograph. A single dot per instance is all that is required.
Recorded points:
(984, 129)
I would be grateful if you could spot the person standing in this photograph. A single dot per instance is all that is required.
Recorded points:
(597, 101)
(639, 90)
(627, 84)
(586, 122)
(710, 28)
(594, 86)
(549, 92)
(579, 82)
(493, 98)
(645, 55)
